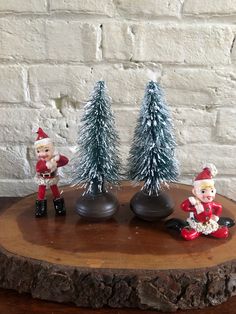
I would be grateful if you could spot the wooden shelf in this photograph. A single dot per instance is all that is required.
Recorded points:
(123, 262)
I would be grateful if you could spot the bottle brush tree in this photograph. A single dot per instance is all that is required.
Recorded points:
(96, 164)
(152, 156)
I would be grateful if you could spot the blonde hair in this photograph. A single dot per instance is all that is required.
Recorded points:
(207, 185)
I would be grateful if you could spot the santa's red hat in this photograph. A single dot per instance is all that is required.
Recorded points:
(206, 175)
(42, 138)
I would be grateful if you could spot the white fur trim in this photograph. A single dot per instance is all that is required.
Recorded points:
(212, 168)
(192, 200)
(199, 208)
(205, 228)
(216, 218)
(198, 183)
(43, 141)
(46, 181)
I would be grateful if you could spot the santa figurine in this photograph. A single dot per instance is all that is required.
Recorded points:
(204, 212)
(47, 174)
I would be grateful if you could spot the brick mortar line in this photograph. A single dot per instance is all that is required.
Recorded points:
(135, 65)
(122, 106)
(101, 18)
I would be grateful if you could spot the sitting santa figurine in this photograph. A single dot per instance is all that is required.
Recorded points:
(204, 212)
(46, 174)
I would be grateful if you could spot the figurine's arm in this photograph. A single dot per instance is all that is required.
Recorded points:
(187, 206)
(41, 166)
(61, 160)
(217, 210)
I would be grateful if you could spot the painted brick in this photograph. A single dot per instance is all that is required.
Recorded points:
(22, 39)
(126, 85)
(193, 126)
(218, 84)
(223, 156)
(192, 134)
(72, 40)
(12, 121)
(13, 187)
(15, 165)
(126, 122)
(54, 82)
(226, 125)
(39, 39)
(186, 44)
(11, 82)
(196, 99)
(194, 117)
(85, 7)
(148, 8)
(209, 7)
(76, 82)
(193, 79)
(32, 6)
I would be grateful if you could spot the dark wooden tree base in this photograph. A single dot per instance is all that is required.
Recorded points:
(152, 208)
(124, 262)
(97, 207)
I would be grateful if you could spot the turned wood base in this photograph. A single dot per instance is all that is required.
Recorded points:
(97, 207)
(123, 262)
(152, 208)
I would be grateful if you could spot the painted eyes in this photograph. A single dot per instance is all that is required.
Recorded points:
(46, 150)
(203, 191)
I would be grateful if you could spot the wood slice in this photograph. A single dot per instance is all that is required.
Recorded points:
(123, 262)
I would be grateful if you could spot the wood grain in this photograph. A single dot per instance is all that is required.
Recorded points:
(123, 262)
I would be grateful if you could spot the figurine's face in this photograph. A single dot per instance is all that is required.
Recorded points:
(205, 194)
(45, 152)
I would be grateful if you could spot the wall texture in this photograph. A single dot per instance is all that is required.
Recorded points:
(53, 51)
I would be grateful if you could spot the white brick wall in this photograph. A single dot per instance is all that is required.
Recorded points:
(53, 51)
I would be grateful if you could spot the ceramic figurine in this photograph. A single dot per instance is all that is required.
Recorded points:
(204, 212)
(47, 175)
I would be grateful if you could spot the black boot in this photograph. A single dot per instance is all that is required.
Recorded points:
(40, 208)
(59, 206)
(176, 224)
(226, 221)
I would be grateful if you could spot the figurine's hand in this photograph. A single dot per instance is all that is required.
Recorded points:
(215, 218)
(51, 164)
(56, 157)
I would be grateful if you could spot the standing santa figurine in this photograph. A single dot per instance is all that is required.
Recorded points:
(47, 175)
(204, 212)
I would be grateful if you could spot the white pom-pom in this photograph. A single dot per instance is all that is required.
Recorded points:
(212, 169)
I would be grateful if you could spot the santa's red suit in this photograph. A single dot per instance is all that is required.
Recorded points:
(204, 215)
(204, 212)
(203, 219)
(47, 175)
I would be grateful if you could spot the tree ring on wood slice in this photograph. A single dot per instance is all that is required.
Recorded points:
(97, 207)
(152, 207)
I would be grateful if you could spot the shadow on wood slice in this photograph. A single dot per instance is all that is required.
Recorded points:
(97, 207)
(152, 207)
